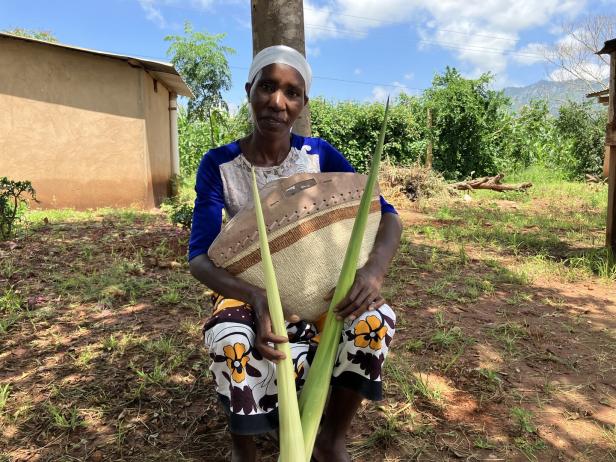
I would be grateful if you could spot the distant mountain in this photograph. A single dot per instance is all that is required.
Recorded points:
(556, 93)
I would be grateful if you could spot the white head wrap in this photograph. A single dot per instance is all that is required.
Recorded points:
(281, 54)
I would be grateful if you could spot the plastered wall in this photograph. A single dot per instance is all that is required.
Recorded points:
(77, 126)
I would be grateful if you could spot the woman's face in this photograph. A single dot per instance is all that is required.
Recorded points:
(277, 98)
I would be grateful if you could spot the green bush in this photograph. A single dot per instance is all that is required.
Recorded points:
(180, 213)
(353, 129)
(196, 137)
(473, 131)
(12, 203)
(583, 131)
(467, 117)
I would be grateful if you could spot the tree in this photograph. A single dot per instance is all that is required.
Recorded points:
(575, 55)
(46, 36)
(466, 120)
(201, 59)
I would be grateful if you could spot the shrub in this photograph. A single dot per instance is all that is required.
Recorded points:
(467, 116)
(583, 130)
(196, 137)
(12, 203)
(180, 213)
(353, 129)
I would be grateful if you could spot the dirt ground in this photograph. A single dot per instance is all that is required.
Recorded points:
(101, 352)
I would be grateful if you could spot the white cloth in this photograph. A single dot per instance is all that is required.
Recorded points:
(281, 54)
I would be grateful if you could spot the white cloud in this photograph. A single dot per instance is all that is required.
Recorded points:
(319, 23)
(587, 71)
(152, 13)
(152, 8)
(482, 34)
(531, 53)
(409, 76)
(380, 92)
(357, 71)
(313, 52)
(203, 4)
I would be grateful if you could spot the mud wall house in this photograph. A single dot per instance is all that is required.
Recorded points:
(87, 128)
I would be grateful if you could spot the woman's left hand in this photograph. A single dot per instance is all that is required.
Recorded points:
(365, 294)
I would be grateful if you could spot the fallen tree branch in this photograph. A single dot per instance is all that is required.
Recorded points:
(595, 179)
(490, 182)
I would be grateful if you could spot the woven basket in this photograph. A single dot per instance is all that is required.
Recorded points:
(309, 218)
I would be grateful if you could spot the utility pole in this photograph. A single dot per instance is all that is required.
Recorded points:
(281, 22)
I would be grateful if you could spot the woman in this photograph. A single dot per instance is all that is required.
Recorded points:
(238, 334)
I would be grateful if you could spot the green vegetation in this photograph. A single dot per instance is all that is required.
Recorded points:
(46, 36)
(495, 139)
(201, 59)
(13, 203)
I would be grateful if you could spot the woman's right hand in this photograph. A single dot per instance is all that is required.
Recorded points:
(265, 336)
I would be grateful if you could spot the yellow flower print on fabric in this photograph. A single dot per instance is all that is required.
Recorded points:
(236, 361)
(370, 332)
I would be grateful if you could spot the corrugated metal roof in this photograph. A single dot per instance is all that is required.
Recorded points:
(598, 93)
(162, 71)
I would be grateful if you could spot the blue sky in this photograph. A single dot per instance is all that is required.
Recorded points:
(359, 49)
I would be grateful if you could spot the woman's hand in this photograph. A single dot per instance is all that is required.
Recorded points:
(365, 294)
(265, 336)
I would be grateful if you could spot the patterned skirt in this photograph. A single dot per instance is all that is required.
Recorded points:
(246, 382)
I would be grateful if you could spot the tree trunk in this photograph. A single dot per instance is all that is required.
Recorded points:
(281, 22)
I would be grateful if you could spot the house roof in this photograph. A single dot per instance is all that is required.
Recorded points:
(608, 47)
(598, 93)
(162, 71)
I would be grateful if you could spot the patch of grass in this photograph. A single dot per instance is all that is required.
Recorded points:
(108, 286)
(386, 435)
(5, 392)
(421, 386)
(600, 262)
(11, 301)
(67, 419)
(163, 346)
(529, 446)
(8, 268)
(491, 378)
(509, 334)
(517, 298)
(401, 378)
(171, 296)
(609, 435)
(11, 304)
(157, 376)
(85, 357)
(482, 442)
(111, 343)
(447, 338)
(414, 345)
(523, 419)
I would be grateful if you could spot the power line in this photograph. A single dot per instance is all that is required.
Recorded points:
(476, 48)
(359, 82)
(480, 49)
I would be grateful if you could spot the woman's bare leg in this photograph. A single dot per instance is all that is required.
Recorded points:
(244, 448)
(331, 441)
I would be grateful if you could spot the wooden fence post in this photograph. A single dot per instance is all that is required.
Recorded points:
(611, 141)
(429, 147)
